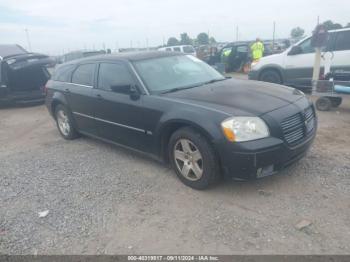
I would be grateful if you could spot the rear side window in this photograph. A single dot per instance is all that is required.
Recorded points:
(343, 41)
(168, 49)
(113, 76)
(84, 75)
(177, 49)
(63, 74)
(188, 49)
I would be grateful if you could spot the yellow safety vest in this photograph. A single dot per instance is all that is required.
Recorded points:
(257, 50)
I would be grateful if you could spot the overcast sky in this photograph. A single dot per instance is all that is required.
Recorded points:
(56, 26)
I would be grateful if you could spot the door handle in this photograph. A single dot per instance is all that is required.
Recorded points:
(67, 90)
(99, 96)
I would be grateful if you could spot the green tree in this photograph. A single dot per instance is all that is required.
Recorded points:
(347, 26)
(212, 40)
(329, 25)
(297, 32)
(203, 39)
(172, 41)
(185, 39)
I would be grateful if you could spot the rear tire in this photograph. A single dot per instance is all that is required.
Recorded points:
(193, 159)
(324, 104)
(64, 122)
(336, 101)
(271, 76)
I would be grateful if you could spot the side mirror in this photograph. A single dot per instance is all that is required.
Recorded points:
(296, 50)
(128, 89)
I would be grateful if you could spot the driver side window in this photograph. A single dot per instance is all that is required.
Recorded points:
(113, 76)
(306, 47)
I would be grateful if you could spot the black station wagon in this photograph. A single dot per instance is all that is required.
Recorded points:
(178, 109)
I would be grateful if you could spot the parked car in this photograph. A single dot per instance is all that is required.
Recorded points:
(187, 49)
(178, 109)
(80, 54)
(294, 66)
(22, 75)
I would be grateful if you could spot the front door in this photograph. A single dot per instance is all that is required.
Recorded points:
(299, 67)
(120, 116)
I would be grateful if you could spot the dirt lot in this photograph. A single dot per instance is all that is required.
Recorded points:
(103, 199)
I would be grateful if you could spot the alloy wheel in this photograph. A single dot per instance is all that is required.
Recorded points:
(63, 122)
(188, 159)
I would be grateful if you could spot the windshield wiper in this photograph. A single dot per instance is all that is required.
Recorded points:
(192, 86)
(214, 80)
(178, 89)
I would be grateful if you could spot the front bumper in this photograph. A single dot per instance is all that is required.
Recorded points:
(261, 158)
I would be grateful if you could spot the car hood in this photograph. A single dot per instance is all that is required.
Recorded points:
(236, 96)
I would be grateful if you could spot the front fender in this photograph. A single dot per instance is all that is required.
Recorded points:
(207, 123)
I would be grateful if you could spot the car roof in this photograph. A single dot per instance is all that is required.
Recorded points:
(131, 56)
(340, 30)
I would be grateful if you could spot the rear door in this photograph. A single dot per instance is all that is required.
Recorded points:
(119, 117)
(80, 97)
(340, 63)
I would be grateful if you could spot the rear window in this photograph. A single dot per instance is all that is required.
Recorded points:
(63, 73)
(343, 41)
(8, 50)
(188, 49)
(87, 54)
(84, 75)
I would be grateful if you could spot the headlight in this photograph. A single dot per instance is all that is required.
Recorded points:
(240, 129)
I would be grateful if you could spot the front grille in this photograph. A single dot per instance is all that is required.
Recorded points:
(297, 127)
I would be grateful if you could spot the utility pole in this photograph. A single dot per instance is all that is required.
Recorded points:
(273, 35)
(28, 40)
(237, 33)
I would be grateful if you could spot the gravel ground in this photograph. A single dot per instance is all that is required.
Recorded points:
(106, 200)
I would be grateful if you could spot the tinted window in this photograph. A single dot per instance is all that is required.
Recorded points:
(242, 49)
(84, 75)
(63, 73)
(188, 49)
(343, 41)
(168, 49)
(306, 47)
(112, 76)
(177, 49)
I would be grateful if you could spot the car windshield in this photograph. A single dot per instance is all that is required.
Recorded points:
(188, 49)
(175, 72)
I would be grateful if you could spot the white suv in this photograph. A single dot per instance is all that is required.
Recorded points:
(187, 49)
(294, 66)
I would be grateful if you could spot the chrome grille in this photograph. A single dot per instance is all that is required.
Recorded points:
(296, 127)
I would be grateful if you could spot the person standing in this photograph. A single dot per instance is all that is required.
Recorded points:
(257, 50)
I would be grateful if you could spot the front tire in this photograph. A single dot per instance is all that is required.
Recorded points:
(64, 123)
(271, 76)
(193, 159)
(324, 104)
(336, 101)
